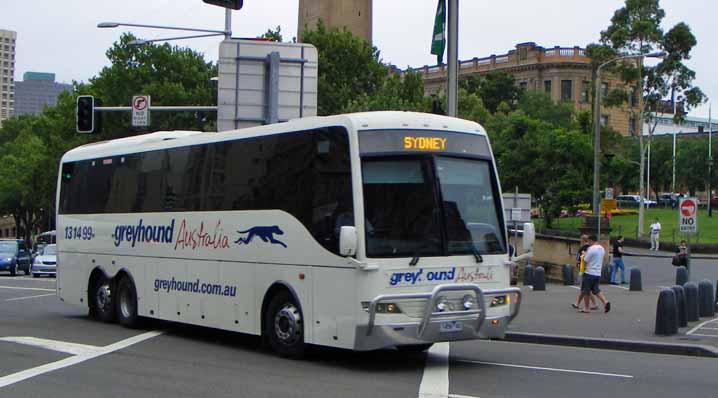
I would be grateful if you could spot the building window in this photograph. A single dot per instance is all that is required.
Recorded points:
(523, 53)
(566, 89)
(604, 89)
(633, 98)
(523, 86)
(604, 120)
(632, 125)
(547, 87)
(584, 91)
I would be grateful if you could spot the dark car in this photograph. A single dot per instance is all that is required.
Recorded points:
(14, 256)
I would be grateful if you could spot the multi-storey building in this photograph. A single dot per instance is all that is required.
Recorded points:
(36, 91)
(355, 15)
(7, 73)
(563, 73)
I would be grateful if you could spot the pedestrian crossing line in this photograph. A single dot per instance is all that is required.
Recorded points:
(695, 329)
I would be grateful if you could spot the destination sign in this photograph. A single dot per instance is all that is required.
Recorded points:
(393, 141)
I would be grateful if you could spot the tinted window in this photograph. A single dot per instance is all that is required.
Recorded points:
(306, 174)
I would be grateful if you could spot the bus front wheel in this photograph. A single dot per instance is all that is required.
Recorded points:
(285, 326)
(101, 297)
(126, 303)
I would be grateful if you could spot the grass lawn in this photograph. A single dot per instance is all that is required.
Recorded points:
(627, 225)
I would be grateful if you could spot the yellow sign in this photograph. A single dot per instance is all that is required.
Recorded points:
(608, 205)
(425, 143)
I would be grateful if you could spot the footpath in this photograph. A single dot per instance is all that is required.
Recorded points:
(547, 316)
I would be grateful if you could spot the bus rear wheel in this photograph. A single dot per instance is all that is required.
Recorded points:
(285, 326)
(101, 300)
(126, 303)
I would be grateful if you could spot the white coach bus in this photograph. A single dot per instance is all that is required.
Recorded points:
(358, 231)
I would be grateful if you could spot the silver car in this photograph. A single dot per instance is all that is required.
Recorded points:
(46, 262)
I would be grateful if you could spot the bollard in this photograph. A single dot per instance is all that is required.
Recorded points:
(636, 283)
(528, 275)
(691, 301)
(680, 305)
(706, 306)
(568, 275)
(681, 276)
(666, 323)
(606, 274)
(539, 279)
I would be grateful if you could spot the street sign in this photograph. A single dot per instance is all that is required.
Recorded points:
(609, 193)
(687, 215)
(140, 110)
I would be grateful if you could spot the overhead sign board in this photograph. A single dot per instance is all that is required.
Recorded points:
(140, 110)
(688, 215)
(517, 207)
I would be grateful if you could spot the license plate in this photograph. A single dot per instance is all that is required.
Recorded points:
(451, 326)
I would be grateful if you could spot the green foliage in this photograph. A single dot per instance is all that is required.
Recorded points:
(396, 92)
(170, 75)
(275, 35)
(349, 70)
(494, 88)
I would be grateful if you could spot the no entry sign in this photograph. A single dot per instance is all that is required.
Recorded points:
(687, 215)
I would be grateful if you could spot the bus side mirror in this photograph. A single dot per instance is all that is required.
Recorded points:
(347, 241)
(529, 236)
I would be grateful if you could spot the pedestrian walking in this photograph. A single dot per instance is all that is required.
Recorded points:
(618, 261)
(655, 234)
(592, 276)
(581, 265)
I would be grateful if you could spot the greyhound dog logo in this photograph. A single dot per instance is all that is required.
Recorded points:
(265, 233)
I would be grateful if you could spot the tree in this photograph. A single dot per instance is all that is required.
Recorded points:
(636, 29)
(171, 75)
(396, 92)
(494, 88)
(349, 68)
(275, 35)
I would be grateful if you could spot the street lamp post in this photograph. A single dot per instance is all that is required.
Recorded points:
(227, 32)
(597, 130)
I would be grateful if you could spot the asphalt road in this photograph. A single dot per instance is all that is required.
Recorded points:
(50, 349)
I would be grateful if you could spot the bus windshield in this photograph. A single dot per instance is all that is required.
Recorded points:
(404, 218)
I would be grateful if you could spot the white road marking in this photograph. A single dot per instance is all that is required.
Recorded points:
(74, 360)
(54, 345)
(695, 329)
(618, 286)
(30, 297)
(509, 365)
(27, 288)
(575, 287)
(435, 381)
(27, 278)
(460, 396)
(705, 335)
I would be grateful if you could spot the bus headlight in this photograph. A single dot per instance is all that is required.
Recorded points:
(499, 300)
(469, 302)
(382, 308)
(442, 304)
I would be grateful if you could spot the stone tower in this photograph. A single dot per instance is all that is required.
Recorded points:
(355, 15)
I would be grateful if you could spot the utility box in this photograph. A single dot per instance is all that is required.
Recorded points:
(263, 82)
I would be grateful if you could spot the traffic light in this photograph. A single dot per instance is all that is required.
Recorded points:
(233, 4)
(85, 116)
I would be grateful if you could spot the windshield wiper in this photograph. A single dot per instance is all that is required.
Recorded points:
(477, 255)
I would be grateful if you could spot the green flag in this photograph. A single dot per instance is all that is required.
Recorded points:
(438, 42)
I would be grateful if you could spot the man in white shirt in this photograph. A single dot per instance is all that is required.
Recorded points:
(592, 275)
(655, 233)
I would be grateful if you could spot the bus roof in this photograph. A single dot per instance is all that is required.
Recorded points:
(359, 121)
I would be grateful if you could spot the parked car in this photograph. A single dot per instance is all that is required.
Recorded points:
(633, 201)
(667, 199)
(45, 262)
(14, 256)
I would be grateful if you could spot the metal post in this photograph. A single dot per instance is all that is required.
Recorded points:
(648, 173)
(596, 141)
(453, 38)
(272, 67)
(641, 209)
(710, 164)
(673, 100)
(227, 23)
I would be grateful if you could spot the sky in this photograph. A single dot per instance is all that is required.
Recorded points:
(62, 36)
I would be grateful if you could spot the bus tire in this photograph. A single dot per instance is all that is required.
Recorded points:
(285, 326)
(101, 300)
(414, 348)
(126, 303)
